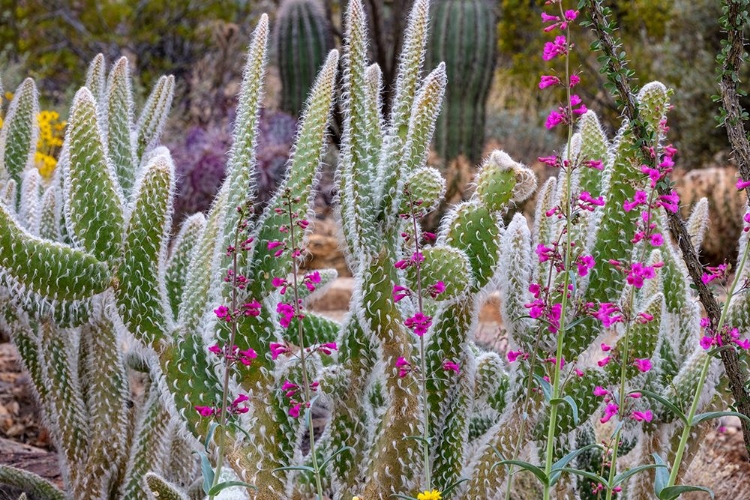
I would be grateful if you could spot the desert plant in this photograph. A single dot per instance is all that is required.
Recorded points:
(416, 409)
(302, 40)
(463, 36)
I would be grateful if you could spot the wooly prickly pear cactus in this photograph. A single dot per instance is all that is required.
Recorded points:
(91, 290)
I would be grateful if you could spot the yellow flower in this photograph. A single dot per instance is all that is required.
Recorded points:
(356, 498)
(429, 495)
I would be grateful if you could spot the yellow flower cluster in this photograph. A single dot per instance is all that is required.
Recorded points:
(51, 133)
(429, 495)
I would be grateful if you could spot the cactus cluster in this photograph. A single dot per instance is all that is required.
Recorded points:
(91, 290)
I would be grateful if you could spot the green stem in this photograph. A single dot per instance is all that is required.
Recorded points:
(423, 361)
(301, 340)
(227, 349)
(550, 450)
(704, 373)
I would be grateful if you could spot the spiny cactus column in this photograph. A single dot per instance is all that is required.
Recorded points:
(302, 40)
(463, 36)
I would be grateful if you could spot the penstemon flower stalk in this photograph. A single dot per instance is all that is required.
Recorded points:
(296, 312)
(230, 352)
(561, 46)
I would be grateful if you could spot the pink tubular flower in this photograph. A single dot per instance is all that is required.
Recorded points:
(286, 311)
(609, 412)
(311, 280)
(548, 81)
(404, 367)
(222, 312)
(607, 314)
(657, 240)
(585, 263)
(643, 365)
(278, 349)
(215, 349)
(436, 289)
(635, 395)
(205, 411)
(235, 408)
(289, 388)
(605, 347)
(544, 253)
(670, 202)
(419, 323)
(552, 161)
(571, 15)
(742, 184)
(641, 416)
(294, 410)
(400, 292)
(327, 348)
(576, 101)
(714, 273)
(247, 356)
(514, 355)
(604, 362)
(451, 366)
(595, 164)
(401, 264)
(251, 308)
(574, 80)
(546, 18)
(554, 119)
(600, 391)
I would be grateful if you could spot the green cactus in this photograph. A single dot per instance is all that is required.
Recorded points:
(463, 35)
(302, 39)
(85, 270)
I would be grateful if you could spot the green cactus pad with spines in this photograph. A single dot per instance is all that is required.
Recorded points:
(141, 293)
(471, 227)
(29, 207)
(389, 473)
(697, 224)
(49, 220)
(349, 423)
(453, 325)
(495, 186)
(425, 185)
(318, 330)
(28, 349)
(653, 101)
(358, 172)
(96, 78)
(305, 164)
(30, 483)
(421, 125)
(154, 115)
(191, 378)
(118, 125)
(446, 264)
(514, 281)
(303, 39)
(70, 426)
(683, 387)
(239, 184)
(464, 36)
(150, 446)
(93, 202)
(200, 272)
(19, 133)
(51, 270)
(594, 147)
(403, 121)
(107, 394)
(8, 194)
(161, 489)
(183, 249)
(450, 451)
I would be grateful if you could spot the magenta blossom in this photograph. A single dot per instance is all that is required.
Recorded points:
(404, 367)
(548, 81)
(600, 391)
(451, 366)
(205, 411)
(641, 416)
(419, 323)
(742, 184)
(327, 348)
(251, 308)
(222, 312)
(643, 365)
(609, 412)
(294, 410)
(436, 289)
(278, 349)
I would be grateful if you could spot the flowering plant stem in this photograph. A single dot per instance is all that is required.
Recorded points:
(704, 373)
(550, 447)
(619, 76)
(423, 361)
(227, 347)
(301, 340)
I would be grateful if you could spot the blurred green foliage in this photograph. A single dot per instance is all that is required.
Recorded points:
(55, 38)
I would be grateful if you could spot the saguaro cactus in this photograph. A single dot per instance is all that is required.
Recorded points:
(302, 40)
(463, 36)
